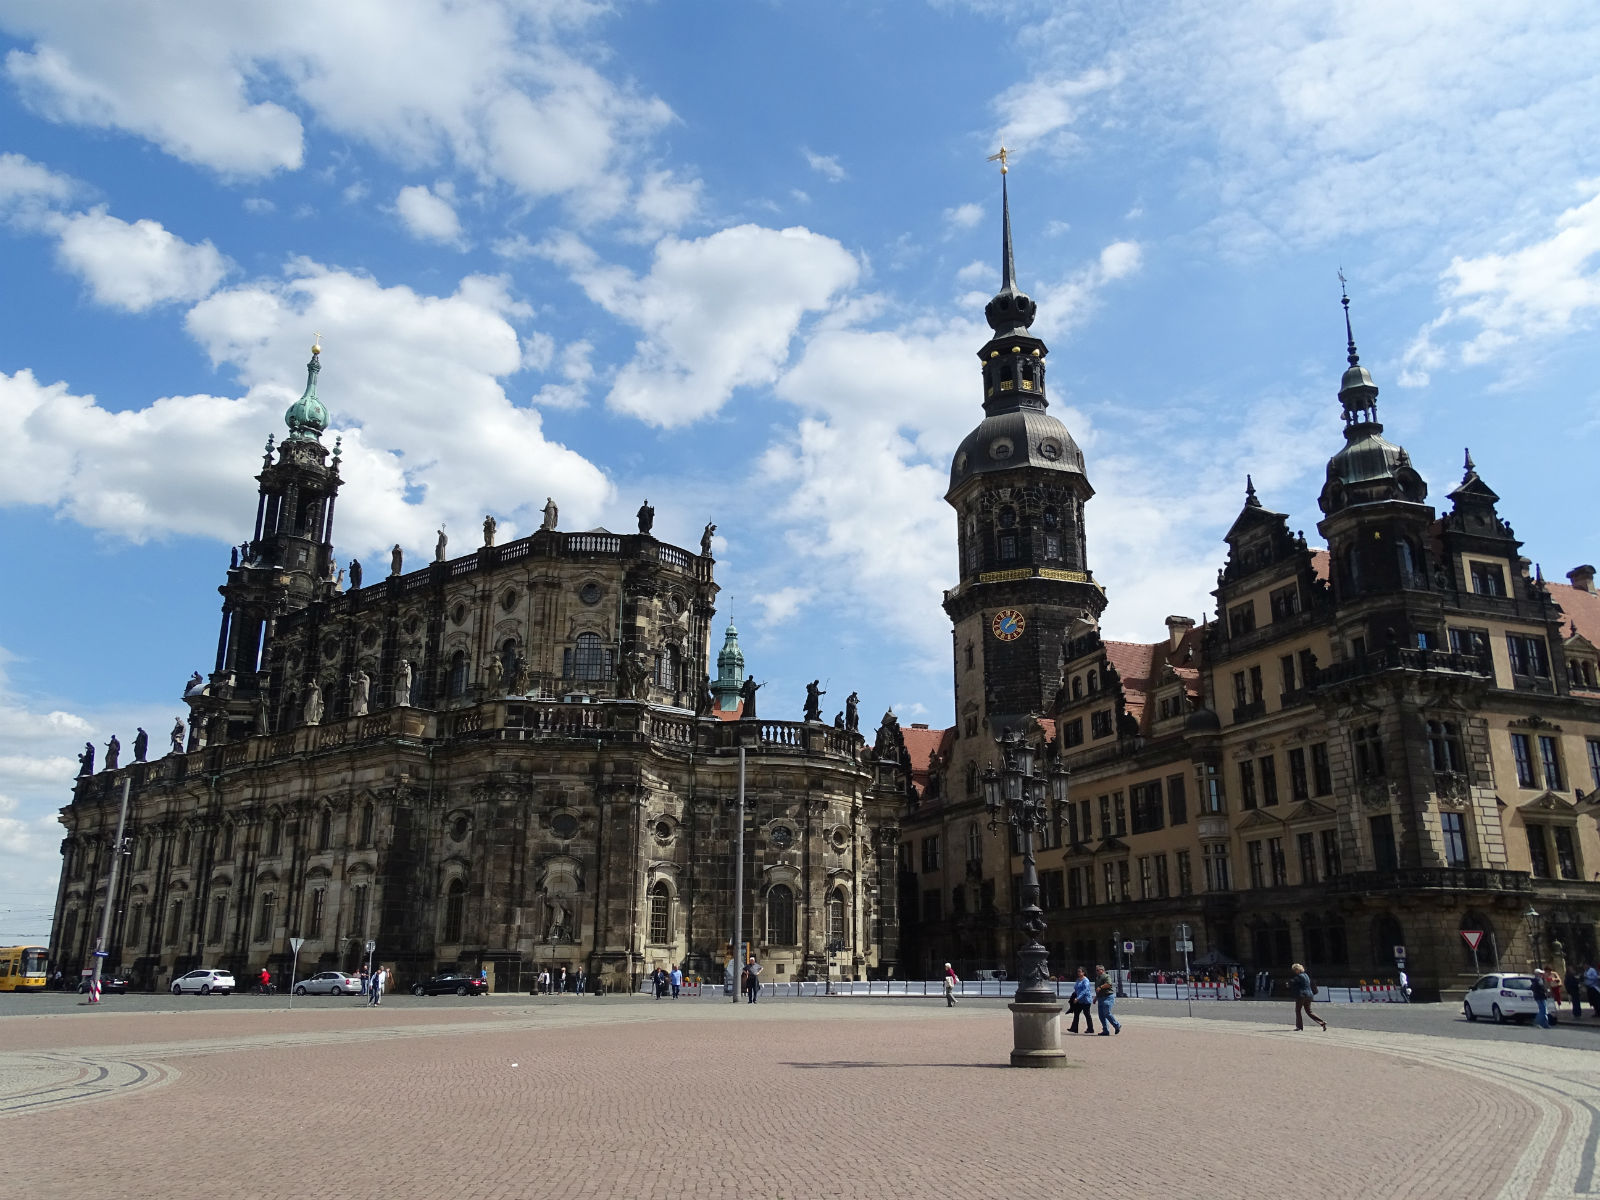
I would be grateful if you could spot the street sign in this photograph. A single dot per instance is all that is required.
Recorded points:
(1399, 951)
(371, 945)
(296, 943)
(1472, 937)
(102, 954)
(1183, 931)
(1185, 947)
(1127, 947)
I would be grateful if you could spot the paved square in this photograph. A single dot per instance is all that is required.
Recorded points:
(632, 1098)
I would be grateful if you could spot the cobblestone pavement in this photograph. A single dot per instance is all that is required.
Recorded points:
(632, 1098)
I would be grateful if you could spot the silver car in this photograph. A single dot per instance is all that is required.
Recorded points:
(1504, 998)
(329, 983)
(205, 981)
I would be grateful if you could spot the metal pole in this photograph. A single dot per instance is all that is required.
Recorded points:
(111, 892)
(736, 943)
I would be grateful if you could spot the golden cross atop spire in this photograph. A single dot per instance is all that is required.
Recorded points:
(316, 343)
(1002, 157)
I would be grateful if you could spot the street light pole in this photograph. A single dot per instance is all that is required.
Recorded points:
(111, 892)
(737, 944)
(1019, 798)
(1535, 924)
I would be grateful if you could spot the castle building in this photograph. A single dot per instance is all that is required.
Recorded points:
(1385, 751)
(510, 759)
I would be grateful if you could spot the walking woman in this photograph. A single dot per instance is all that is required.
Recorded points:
(1304, 993)
(950, 981)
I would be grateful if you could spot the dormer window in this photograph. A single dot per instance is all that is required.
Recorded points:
(1488, 579)
(1242, 618)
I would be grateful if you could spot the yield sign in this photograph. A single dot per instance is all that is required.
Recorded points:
(1472, 937)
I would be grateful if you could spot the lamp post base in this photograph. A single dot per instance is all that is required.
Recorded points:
(1036, 1036)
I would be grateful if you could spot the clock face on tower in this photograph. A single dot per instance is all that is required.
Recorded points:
(1008, 624)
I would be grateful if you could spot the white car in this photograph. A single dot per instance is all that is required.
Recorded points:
(329, 983)
(1505, 998)
(205, 981)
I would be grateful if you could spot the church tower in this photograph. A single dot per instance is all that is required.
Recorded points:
(285, 566)
(1018, 488)
(730, 672)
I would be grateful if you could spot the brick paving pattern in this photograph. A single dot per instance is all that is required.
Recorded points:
(628, 1098)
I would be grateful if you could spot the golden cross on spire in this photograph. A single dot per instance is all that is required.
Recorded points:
(316, 343)
(1002, 157)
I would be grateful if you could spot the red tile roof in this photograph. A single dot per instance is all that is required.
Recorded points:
(1582, 609)
(922, 744)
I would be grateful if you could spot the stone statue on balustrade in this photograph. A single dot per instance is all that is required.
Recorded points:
(113, 750)
(360, 693)
(439, 546)
(86, 759)
(705, 539)
(176, 736)
(493, 674)
(647, 517)
(551, 512)
(402, 684)
(521, 677)
(747, 693)
(141, 745)
(814, 695)
(195, 685)
(263, 715)
(312, 712)
(852, 712)
(706, 703)
(355, 574)
(488, 529)
(396, 559)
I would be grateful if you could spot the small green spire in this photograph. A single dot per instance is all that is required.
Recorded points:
(730, 671)
(308, 416)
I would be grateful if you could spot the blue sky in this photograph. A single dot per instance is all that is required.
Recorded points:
(733, 257)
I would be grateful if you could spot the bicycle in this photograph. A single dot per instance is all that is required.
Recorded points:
(270, 989)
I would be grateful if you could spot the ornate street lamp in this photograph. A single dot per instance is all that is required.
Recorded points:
(1535, 924)
(1018, 796)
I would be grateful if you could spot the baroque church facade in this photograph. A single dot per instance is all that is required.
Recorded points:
(509, 759)
(1381, 753)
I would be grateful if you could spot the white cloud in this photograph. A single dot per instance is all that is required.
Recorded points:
(501, 88)
(259, 206)
(977, 272)
(962, 216)
(826, 165)
(1509, 299)
(716, 313)
(26, 184)
(428, 216)
(779, 605)
(412, 382)
(577, 371)
(1041, 110)
(664, 203)
(135, 266)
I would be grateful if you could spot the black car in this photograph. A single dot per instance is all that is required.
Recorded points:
(450, 981)
(108, 985)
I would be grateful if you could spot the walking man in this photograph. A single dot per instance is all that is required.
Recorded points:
(1082, 1002)
(752, 979)
(1105, 995)
(677, 980)
(950, 981)
(375, 987)
(1541, 997)
(1304, 993)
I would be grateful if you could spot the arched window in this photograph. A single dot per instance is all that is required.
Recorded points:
(455, 910)
(1077, 687)
(590, 659)
(660, 914)
(972, 779)
(1408, 561)
(667, 669)
(227, 842)
(1444, 747)
(275, 836)
(1094, 682)
(508, 661)
(456, 684)
(974, 843)
(325, 830)
(837, 929)
(780, 917)
(366, 825)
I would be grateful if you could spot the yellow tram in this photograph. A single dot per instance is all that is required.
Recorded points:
(23, 968)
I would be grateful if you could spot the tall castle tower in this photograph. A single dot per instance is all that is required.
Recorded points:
(1018, 487)
(285, 566)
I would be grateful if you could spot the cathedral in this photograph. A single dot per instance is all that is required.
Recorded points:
(1379, 754)
(507, 760)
